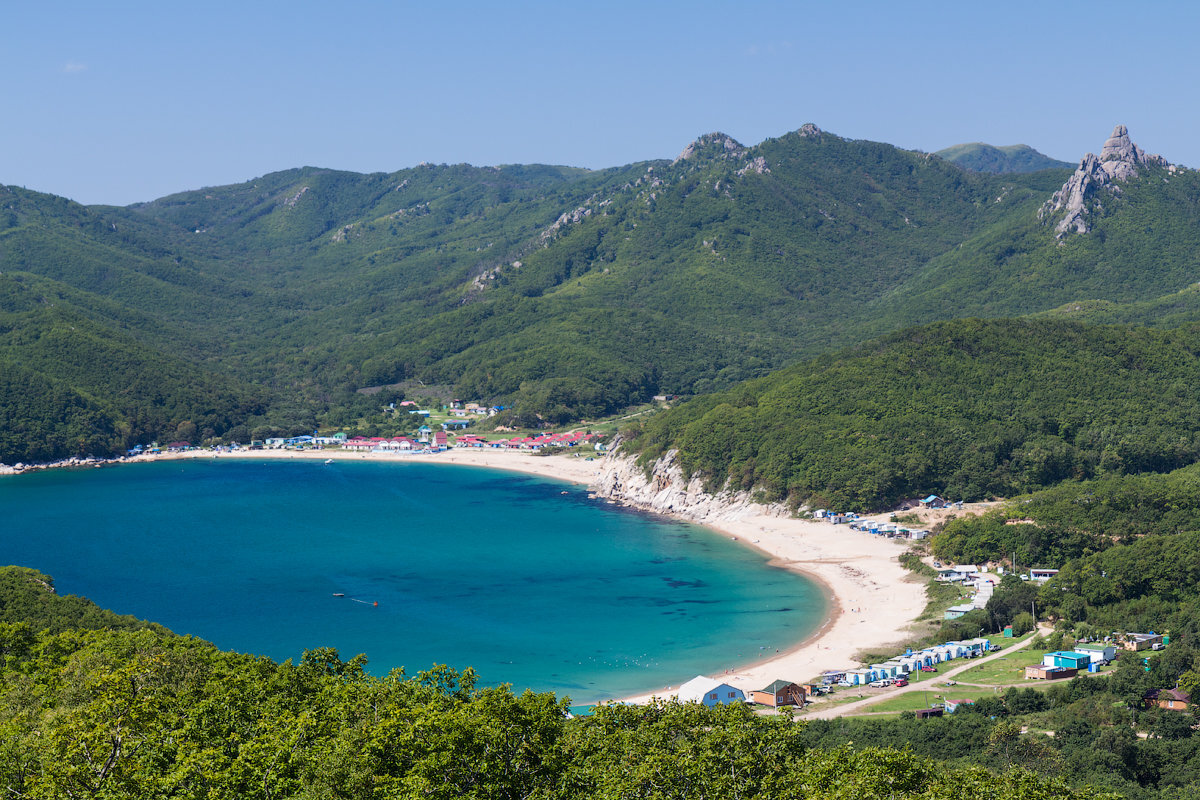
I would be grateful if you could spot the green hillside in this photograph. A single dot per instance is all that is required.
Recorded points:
(563, 293)
(980, 157)
(968, 409)
(1143, 246)
(76, 384)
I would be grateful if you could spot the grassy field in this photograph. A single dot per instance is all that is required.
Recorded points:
(1007, 668)
(912, 701)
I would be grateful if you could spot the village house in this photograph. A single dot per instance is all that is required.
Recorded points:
(1142, 641)
(780, 693)
(1171, 699)
(1099, 652)
(954, 612)
(955, 574)
(710, 692)
(1041, 575)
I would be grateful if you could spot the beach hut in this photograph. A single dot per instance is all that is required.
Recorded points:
(780, 693)
(858, 677)
(710, 692)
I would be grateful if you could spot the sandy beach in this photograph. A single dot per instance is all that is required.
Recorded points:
(873, 599)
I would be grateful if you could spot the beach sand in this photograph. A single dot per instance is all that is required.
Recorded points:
(873, 599)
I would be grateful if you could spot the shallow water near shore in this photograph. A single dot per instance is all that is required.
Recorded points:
(469, 567)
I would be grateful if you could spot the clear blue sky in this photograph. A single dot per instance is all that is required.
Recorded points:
(120, 102)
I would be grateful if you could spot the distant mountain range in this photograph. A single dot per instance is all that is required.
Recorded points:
(980, 157)
(561, 292)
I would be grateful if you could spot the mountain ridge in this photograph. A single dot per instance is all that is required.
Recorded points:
(982, 157)
(569, 293)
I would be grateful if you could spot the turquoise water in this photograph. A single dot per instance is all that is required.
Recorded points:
(469, 567)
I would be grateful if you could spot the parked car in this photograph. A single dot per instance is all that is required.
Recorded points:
(928, 669)
(952, 683)
(883, 684)
(902, 681)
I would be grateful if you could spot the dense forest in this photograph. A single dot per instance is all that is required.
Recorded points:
(561, 293)
(969, 409)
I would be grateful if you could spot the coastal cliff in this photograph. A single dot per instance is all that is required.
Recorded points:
(666, 491)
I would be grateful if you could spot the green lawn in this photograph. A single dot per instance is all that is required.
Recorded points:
(912, 701)
(1008, 668)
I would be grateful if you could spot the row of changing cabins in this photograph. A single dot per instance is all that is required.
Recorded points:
(911, 661)
(713, 691)
(1056, 665)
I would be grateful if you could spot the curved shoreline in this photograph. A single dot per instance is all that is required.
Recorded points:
(872, 600)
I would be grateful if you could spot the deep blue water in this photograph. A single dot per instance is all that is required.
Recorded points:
(469, 567)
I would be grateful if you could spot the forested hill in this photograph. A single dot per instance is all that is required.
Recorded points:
(563, 293)
(968, 409)
(980, 157)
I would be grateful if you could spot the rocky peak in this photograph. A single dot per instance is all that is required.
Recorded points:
(711, 144)
(810, 131)
(1119, 160)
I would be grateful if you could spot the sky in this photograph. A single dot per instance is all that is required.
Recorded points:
(122, 102)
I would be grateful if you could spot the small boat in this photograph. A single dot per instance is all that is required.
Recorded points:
(329, 461)
(339, 594)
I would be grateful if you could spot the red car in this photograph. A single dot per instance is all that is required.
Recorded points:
(928, 669)
(902, 681)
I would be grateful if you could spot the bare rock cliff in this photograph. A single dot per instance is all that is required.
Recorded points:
(1097, 176)
(667, 492)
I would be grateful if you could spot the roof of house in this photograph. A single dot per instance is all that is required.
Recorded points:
(1169, 694)
(776, 686)
(697, 687)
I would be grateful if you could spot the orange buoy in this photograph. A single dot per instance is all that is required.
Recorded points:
(376, 602)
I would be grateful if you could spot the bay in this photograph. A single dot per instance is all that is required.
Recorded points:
(523, 578)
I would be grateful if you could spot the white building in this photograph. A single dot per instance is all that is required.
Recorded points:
(709, 692)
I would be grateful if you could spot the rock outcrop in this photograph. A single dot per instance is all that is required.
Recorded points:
(1083, 194)
(717, 144)
(666, 491)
